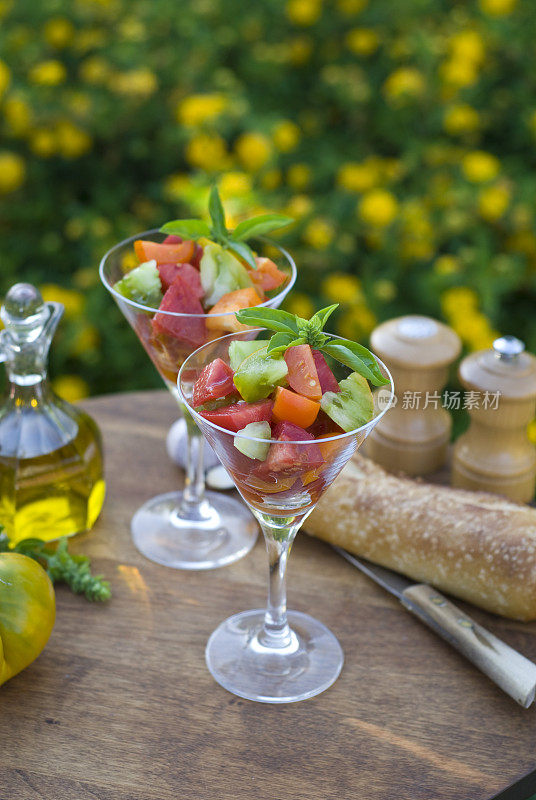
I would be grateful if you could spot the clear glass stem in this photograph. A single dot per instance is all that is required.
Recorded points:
(279, 534)
(193, 505)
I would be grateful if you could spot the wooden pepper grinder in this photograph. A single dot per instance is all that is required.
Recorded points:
(495, 454)
(413, 437)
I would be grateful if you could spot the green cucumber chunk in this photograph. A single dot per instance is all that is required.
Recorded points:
(353, 406)
(221, 273)
(142, 285)
(238, 351)
(259, 374)
(258, 450)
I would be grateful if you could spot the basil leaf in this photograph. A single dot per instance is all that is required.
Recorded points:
(362, 361)
(322, 316)
(272, 318)
(257, 226)
(242, 250)
(280, 341)
(187, 228)
(217, 214)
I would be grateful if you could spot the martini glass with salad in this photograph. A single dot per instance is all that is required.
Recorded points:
(179, 288)
(284, 412)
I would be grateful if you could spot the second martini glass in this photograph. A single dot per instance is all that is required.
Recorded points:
(270, 655)
(193, 529)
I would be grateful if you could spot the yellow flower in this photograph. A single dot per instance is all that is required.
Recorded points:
(58, 32)
(89, 39)
(132, 29)
(43, 142)
(72, 300)
(72, 141)
(286, 136)
(298, 206)
(271, 179)
(234, 184)
(79, 103)
(303, 12)
(48, 73)
(86, 277)
(139, 82)
(362, 41)
(531, 431)
(479, 166)
(319, 233)
(207, 151)
(74, 229)
(340, 287)
(86, 338)
(356, 323)
(175, 186)
(404, 83)
(199, 108)
(378, 207)
(461, 118)
(457, 72)
(359, 177)
(385, 290)
(497, 8)
(12, 171)
(299, 176)
(253, 150)
(493, 201)
(18, 115)
(475, 330)
(299, 50)
(458, 302)
(300, 304)
(468, 45)
(351, 7)
(447, 265)
(71, 388)
(5, 77)
(94, 70)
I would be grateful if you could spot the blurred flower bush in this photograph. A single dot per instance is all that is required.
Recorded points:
(404, 145)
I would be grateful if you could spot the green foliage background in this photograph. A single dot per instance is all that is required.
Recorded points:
(404, 144)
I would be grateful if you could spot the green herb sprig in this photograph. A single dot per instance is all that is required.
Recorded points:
(231, 240)
(61, 566)
(291, 330)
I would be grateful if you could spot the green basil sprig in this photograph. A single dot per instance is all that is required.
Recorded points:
(217, 232)
(291, 330)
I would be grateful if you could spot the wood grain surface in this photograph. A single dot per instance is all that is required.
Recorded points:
(120, 705)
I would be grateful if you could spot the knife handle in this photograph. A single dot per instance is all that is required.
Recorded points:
(514, 673)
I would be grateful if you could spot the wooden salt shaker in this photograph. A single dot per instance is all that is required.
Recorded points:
(495, 454)
(413, 437)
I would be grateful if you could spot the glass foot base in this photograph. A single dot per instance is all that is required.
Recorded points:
(222, 531)
(238, 660)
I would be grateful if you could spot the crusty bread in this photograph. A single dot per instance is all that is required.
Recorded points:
(479, 547)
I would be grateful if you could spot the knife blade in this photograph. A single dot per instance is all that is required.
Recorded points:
(510, 670)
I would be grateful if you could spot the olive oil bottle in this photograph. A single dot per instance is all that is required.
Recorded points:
(51, 469)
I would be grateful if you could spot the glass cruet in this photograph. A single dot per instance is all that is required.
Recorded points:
(51, 466)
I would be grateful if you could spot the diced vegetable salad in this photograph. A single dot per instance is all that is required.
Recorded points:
(198, 278)
(283, 397)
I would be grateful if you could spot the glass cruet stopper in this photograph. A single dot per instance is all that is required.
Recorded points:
(30, 324)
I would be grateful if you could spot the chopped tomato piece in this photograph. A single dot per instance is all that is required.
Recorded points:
(214, 382)
(180, 300)
(291, 407)
(168, 273)
(172, 238)
(229, 304)
(237, 416)
(164, 253)
(324, 426)
(302, 375)
(287, 455)
(267, 276)
(328, 382)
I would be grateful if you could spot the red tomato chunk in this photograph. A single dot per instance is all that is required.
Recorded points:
(238, 415)
(214, 382)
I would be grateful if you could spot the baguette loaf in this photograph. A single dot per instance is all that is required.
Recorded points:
(479, 547)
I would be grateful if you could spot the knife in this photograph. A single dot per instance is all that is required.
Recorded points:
(514, 673)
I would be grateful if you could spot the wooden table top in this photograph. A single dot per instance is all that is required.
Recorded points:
(120, 705)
